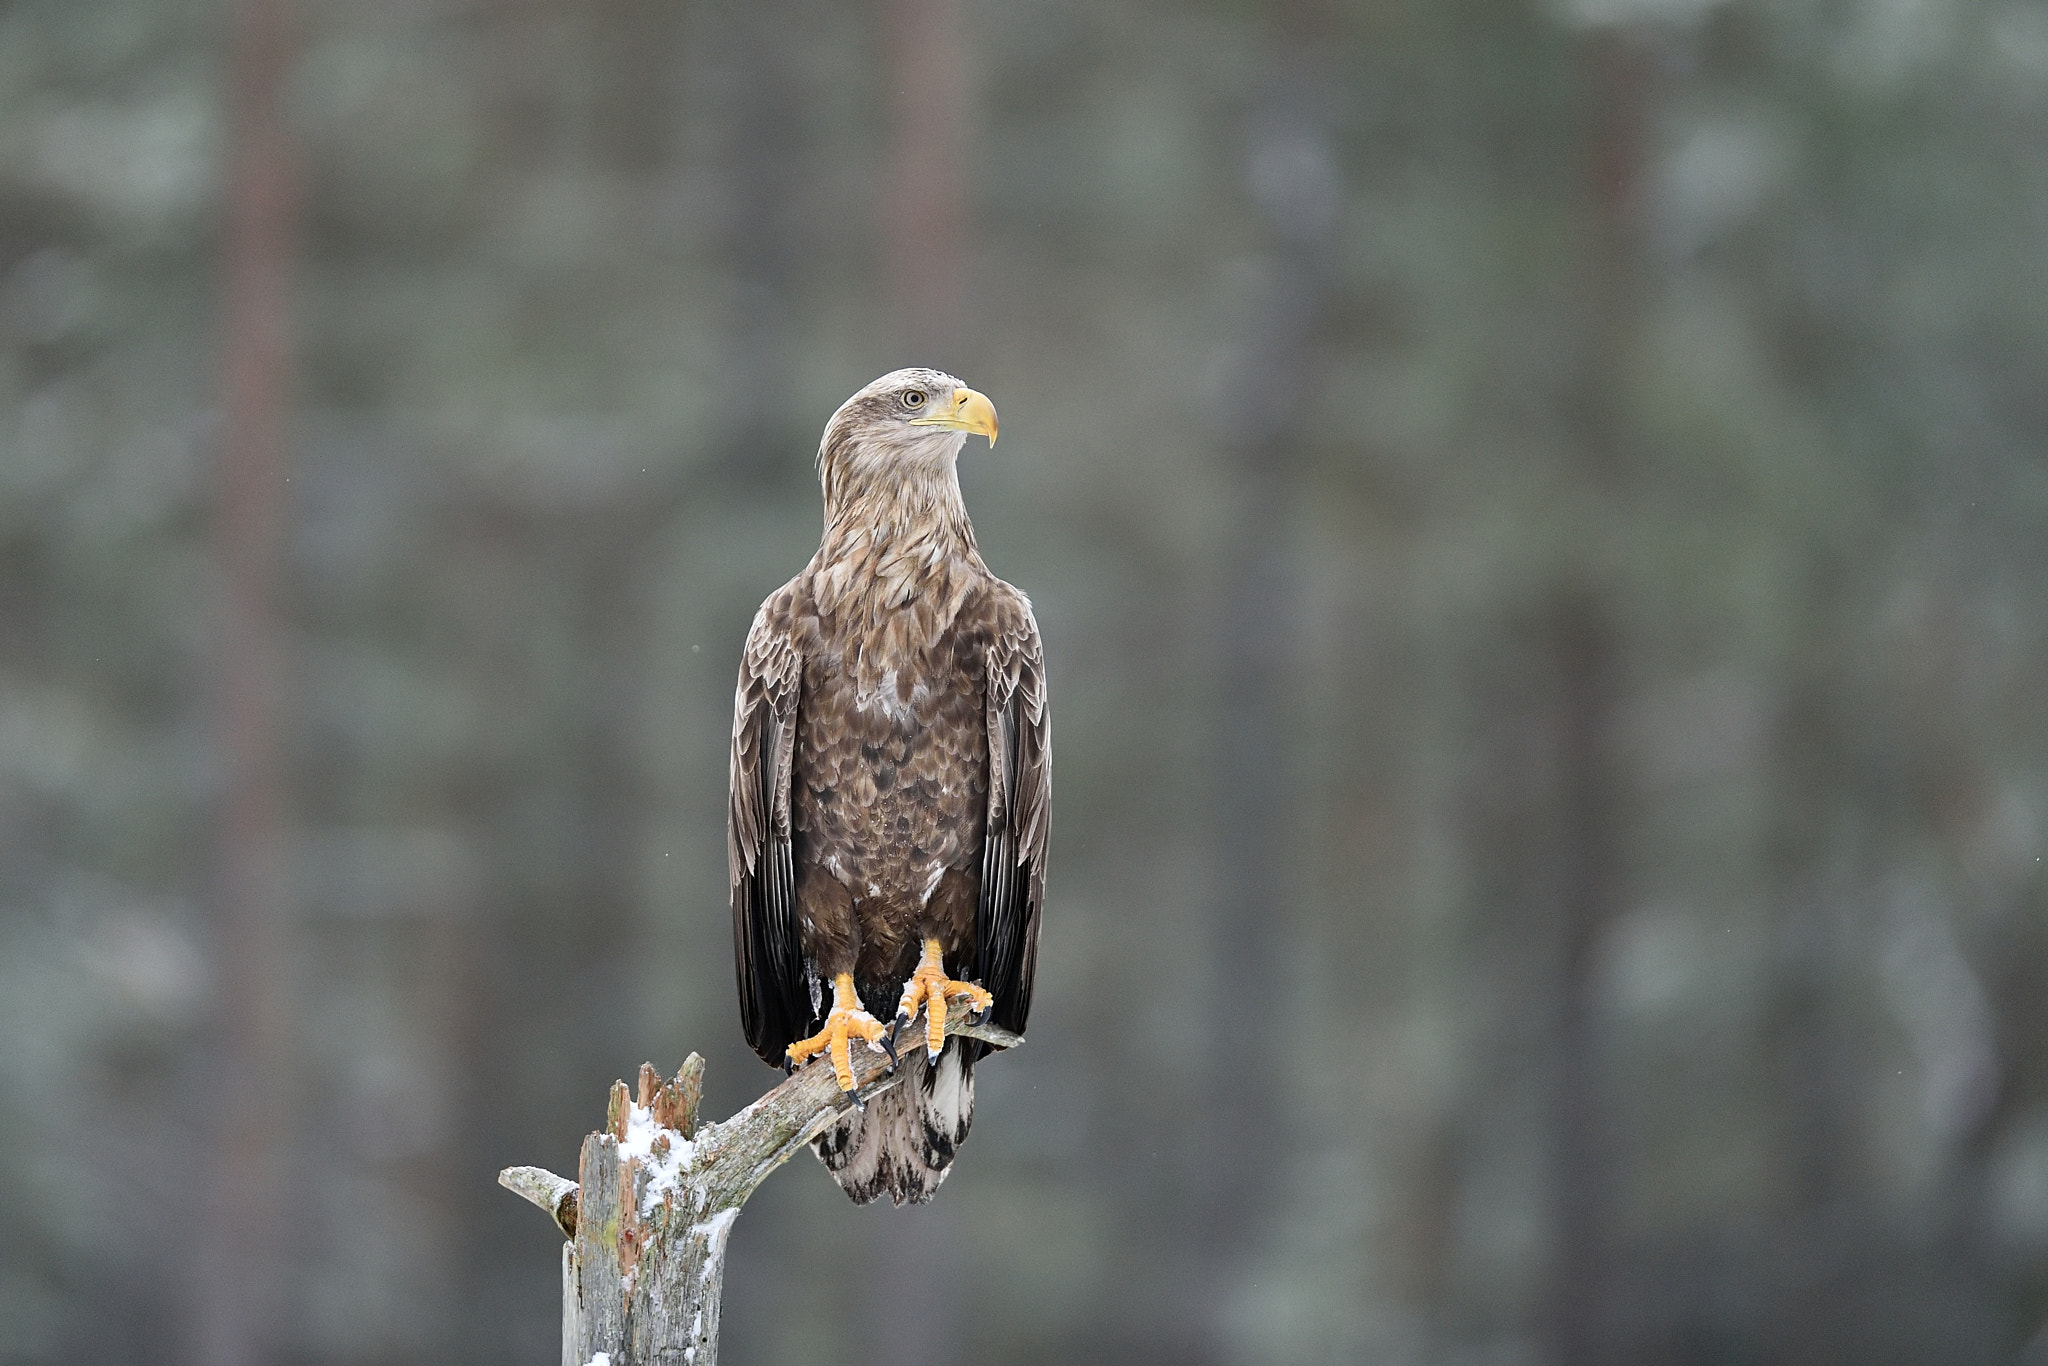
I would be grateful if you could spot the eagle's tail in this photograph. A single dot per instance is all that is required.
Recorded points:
(904, 1141)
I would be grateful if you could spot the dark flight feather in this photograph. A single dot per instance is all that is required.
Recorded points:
(1019, 822)
(775, 1000)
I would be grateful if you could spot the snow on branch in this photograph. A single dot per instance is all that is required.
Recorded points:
(657, 1193)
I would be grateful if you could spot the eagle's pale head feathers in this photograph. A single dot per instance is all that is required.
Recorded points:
(905, 428)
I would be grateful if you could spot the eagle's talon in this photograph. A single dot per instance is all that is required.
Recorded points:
(930, 990)
(846, 1022)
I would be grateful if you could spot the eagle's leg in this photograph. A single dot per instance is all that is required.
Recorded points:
(931, 988)
(847, 1020)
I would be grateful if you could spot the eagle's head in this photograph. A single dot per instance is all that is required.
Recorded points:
(907, 425)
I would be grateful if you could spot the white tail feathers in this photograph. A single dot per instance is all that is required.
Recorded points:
(904, 1141)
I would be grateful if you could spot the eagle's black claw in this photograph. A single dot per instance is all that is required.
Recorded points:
(889, 1047)
(788, 1065)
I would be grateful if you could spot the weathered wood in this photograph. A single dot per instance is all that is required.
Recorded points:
(650, 1082)
(600, 1279)
(644, 1274)
(555, 1194)
(675, 1106)
(615, 1111)
(572, 1308)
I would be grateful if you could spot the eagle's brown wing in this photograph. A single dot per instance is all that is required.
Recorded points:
(775, 998)
(1019, 810)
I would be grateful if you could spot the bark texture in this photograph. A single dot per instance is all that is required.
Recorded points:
(657, 1193)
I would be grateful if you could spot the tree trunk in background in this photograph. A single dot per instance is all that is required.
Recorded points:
(1616, 65)
(761, 168)
(236, 1272)
(1818, 1071)
(639, 45)
(1589, 893)
(924, 220)
(1293, 178)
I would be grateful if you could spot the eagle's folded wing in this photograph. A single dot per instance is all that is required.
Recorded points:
(775, 996)
(1019, 811)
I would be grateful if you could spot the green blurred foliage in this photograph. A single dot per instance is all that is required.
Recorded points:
(577, 286)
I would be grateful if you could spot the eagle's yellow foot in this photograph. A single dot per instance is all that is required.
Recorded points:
(930, 988)
(846, 1021)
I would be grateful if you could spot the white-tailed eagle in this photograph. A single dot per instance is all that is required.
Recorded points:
(891, 785)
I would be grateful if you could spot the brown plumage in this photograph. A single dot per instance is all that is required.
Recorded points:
(890, 780)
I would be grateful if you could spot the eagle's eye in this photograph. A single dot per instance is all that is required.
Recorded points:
(913, 398)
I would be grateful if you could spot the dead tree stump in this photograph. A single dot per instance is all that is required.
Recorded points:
(656, 1195)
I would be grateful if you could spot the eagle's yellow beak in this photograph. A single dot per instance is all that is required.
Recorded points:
(971, 412)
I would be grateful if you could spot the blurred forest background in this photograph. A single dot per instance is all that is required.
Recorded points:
(1539, 515)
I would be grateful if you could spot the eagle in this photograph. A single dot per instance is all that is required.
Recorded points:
(891, 787)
